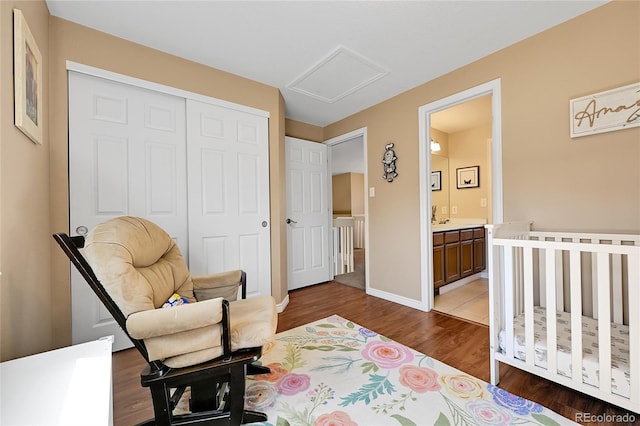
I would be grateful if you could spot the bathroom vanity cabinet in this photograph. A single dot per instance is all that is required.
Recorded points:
(457, 253)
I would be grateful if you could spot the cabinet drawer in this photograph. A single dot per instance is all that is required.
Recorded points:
(466, 234)
(478, 233)
(438, 239)
(451, 237)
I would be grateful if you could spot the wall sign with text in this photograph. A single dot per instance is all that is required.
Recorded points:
(607, 111)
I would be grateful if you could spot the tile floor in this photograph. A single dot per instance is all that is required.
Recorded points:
(470, 301)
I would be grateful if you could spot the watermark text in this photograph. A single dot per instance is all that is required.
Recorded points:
(605, 418)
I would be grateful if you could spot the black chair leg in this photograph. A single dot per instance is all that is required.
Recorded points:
(160, 395)
(236, 395)
(204, 397)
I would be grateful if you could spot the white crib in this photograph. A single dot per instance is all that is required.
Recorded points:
(592, 284)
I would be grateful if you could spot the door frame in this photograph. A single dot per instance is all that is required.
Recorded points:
(362, 132)
(424, 121)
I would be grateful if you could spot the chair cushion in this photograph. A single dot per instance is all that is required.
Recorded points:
(187, 347)
(253, 322)
(222, 284)
(138, 263)
(163, 322)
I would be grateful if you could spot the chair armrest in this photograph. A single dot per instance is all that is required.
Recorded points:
(223, 284)
(164, 321)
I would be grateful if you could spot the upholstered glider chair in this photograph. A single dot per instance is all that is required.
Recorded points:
(207, 341)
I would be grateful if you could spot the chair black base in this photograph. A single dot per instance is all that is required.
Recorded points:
(217, 391)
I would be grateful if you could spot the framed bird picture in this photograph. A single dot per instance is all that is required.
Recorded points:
(468, 177)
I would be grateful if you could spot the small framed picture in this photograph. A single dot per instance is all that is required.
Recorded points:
(468, 177)
(27, 80)
(436, 181)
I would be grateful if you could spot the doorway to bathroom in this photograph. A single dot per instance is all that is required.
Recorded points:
(461, 136)
(461, 190)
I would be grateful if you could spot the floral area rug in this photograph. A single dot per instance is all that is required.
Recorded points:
(334, 372)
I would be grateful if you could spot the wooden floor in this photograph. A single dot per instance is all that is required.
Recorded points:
(459, 343)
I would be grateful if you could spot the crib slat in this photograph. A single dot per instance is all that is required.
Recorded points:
(594, 284)
(616, 285)
(542, 278)
(508, 297)
(529, 337)
(559, 278)
(517, 284)
(552, 334)
(633, 264)
(576, 315)
(604, 322)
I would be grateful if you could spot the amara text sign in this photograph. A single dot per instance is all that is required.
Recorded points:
(607, 111)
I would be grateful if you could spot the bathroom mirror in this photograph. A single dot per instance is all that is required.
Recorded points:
(440, 199)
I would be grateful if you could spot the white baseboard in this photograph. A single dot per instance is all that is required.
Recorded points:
(412, 303)
(282, 305)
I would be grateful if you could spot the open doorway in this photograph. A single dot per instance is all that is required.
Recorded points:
(347, 166)
(435, 223)
(461, 136)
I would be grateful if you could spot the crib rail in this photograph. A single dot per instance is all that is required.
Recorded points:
(595, 275)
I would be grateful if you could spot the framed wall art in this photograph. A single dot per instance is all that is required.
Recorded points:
(436, 181)
(27, 63)
(607, 111)
(468, 177)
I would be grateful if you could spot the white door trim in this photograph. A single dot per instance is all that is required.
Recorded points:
(424, 120)
(343, 138)
(121, 78)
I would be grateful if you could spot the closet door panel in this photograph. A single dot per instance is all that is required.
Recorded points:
(127, 156)
(228, 192)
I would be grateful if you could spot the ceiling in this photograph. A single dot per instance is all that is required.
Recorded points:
(330, 59)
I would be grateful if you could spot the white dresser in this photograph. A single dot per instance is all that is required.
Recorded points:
(67, 386)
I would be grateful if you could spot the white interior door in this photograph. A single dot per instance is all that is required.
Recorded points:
(127, 156)
(308, 215)
(228, 181)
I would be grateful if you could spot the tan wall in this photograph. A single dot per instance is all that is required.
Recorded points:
(300, 130)
(76, 43)
(469, 148)
(591, 183)
(341, 189)
(357, 193)
(348, 194)
(25, 287)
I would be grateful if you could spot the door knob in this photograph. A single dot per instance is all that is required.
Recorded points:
(82, 230)
(289, 221)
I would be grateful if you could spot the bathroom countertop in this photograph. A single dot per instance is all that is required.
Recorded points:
(455, 226)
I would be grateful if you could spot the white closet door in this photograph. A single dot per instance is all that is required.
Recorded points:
(127, 156)
(228, 186)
